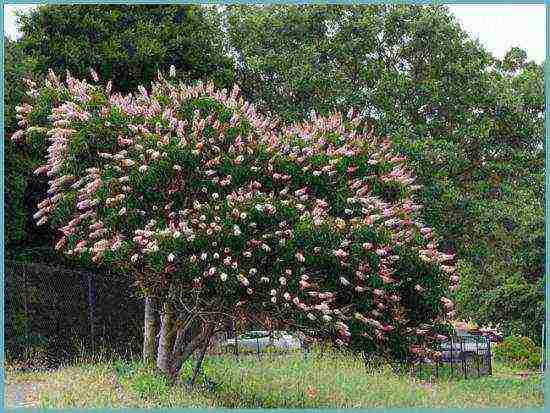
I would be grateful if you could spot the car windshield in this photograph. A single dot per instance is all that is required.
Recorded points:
(254, 334)
(249, 335)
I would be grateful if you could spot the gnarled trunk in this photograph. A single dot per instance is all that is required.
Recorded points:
(180, 336)
(183, 350)
(182, 354)
(204, 346)
(149, 332)
(166, 339)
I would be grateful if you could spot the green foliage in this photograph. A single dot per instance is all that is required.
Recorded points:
(14, 70)
(519, 350)
(471, 125)
(15, 180)
(127, 43)
(312, 225)
(14, 202)
(502, 283)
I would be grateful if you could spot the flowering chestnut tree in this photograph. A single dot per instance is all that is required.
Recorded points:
(219, 212)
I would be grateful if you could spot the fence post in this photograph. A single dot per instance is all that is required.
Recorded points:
(477, 358)
(452, 357)
(258, 348)
(437, 361)
(462, 356)
(91, 306)
(490, 357)
(542, 358)
(26, 295)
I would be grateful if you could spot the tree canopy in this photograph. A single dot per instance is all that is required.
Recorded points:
(127, 43)
(472, 125)
(220, 212)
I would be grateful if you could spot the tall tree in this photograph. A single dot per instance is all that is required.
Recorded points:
(14, 183)
(471, 124)
(127, 43)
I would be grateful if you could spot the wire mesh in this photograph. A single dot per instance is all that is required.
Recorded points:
(464, 356)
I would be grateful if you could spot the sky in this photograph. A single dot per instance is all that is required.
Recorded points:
(498, 27)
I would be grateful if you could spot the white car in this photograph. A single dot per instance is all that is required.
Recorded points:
(260, 340)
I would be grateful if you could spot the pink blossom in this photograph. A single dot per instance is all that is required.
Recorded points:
(340, 253)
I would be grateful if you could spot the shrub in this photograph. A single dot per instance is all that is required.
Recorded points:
(519, 350)
(210, 203)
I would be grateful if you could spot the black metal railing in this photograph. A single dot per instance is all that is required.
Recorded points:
(464, 356)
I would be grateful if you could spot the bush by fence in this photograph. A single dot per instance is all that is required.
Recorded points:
(519, 350)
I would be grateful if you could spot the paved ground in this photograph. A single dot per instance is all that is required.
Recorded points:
(21, 395)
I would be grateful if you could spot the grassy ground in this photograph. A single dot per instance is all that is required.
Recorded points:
(275, 381)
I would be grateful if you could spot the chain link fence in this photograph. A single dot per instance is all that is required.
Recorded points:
(57, 314)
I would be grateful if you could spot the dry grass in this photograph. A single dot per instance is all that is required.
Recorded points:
(276, 382)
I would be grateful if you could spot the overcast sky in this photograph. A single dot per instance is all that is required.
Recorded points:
(498, 27)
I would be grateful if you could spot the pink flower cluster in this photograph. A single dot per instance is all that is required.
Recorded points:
(193, 188)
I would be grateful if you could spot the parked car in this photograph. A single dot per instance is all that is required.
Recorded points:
(260, 340)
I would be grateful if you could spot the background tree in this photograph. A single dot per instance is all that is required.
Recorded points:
(507, 213)
(127, 43)
(220, 215)
(14, 183)
(471, 124)
(24, 242)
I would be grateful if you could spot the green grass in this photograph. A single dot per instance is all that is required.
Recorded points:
(276, 382)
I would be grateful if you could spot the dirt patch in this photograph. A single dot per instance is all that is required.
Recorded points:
(22, 394)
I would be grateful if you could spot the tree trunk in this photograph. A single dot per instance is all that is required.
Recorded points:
(205, 344)
(182, 353)
(178, 343)
(149, 333)
(166, 339)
